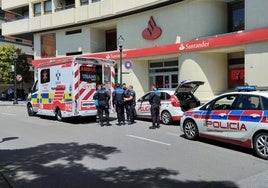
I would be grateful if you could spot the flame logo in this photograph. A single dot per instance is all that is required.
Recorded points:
(152, 31)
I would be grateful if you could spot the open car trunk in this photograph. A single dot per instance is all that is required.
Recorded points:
(185, 94)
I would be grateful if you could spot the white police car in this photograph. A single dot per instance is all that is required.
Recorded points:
(239, 118)
(173, 103)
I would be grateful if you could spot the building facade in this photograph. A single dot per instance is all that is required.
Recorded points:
(220, 42)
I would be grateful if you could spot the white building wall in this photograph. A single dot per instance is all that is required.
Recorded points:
(210, 68)
(137, 76)
(186, 21)
(256, 56)
(256, 14)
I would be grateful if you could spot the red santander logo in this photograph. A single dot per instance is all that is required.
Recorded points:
(152, 31)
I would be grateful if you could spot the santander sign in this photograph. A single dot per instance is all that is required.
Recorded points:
(152, 31)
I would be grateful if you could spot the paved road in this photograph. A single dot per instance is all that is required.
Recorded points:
(41, 152)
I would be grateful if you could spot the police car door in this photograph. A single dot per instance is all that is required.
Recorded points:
(143, 106)
(245, 118)
(218, 123)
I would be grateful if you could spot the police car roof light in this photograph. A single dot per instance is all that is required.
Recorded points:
(245, 88)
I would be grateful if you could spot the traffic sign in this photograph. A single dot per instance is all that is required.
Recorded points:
(19, 77)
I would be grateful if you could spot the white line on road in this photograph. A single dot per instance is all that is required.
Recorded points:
(8, 114)
(150, 140)
(174, 134)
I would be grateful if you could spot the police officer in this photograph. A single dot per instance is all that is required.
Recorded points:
(155, 101)
(103, 97)
(118, 102)
(130, 100)
(126, 103)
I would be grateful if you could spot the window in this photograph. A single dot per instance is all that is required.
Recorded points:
(45, 76)
(37, 9)
(264, 103)
(236, 16)
(249, 102)
(83, 2)
(164, 73)
(73, 32)
(224, 103)
(91, 73)
(48, 45)
(94, 1)
(47, 7)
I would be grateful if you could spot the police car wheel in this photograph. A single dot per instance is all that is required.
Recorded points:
(30, 110)
(166, 117)
(58, 115)
(261, 145)
(190, 130)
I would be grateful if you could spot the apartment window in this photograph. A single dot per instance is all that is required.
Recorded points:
(236, 16)
(73, 32)
(48, 45)
(47, 7)
(37, 9)
(94, 1)
(83, 2)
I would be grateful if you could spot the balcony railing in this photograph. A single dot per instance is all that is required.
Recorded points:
(64, 7)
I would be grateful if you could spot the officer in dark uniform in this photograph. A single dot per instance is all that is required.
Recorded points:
(155, 101)
(103, 97)
(126, 103)
(118, 102)
(130, 101)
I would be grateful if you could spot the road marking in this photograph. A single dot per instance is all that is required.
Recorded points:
(8, 114)
(150, 140)
(174, 134)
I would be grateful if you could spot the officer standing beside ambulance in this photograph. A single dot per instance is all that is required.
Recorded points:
(102, 97)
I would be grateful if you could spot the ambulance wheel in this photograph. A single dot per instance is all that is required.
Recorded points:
(58, 115)
(30, 110)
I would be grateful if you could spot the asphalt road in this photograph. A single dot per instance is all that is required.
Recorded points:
(41, 152)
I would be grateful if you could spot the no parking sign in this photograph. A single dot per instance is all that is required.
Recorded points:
(19, 78)
(128, 64)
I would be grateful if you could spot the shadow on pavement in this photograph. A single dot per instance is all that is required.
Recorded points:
(58, 165)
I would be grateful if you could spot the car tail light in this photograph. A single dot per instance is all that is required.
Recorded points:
(174, 101)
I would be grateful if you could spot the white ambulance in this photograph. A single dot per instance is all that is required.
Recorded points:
(65, 86)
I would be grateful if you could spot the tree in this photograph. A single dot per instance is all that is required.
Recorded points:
(7, 60)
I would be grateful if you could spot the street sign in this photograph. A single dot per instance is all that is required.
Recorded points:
(19, 78)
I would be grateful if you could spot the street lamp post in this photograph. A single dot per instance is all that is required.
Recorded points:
(15, 57)
(120, 44)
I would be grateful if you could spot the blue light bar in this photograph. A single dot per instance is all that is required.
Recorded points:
(245, 88)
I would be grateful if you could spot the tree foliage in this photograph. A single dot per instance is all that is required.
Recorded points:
(7, 60)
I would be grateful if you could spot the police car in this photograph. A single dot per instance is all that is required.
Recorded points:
(239, 118)
(173, 103)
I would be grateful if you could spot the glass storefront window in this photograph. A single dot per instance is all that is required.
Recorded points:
(164, 73)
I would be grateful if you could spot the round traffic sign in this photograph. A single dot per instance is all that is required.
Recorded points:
(128, 64)
(19, 78)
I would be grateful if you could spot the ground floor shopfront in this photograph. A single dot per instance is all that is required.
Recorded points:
(222, 62)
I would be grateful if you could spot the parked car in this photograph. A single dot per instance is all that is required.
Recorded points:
(173, 103)
(239, 118)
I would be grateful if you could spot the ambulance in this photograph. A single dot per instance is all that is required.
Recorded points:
(64, 86)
